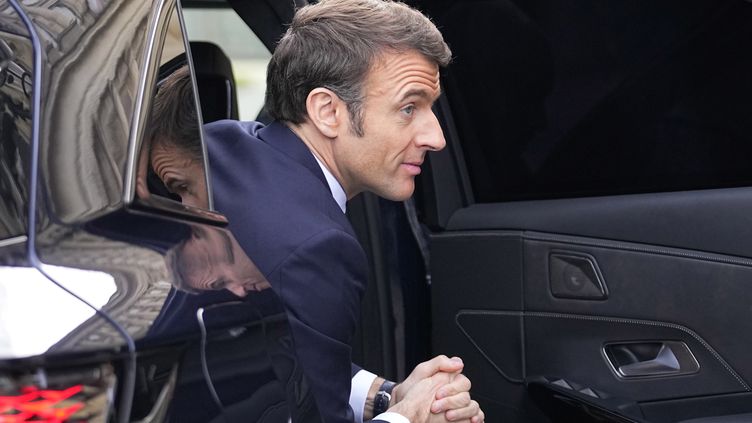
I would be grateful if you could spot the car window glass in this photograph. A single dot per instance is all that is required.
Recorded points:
(172, 157)
(248, 56)
(15, 125)
(562, 99)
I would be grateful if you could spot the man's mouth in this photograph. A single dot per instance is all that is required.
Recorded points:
(412, 167)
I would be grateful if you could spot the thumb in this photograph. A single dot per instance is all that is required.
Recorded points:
(440, 363)
(441, 378)
(452, 365)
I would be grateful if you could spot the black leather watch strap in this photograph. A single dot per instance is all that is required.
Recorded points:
(383, 398)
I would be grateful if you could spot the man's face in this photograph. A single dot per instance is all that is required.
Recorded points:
(181, 174)
(399, 127)
(216, 261)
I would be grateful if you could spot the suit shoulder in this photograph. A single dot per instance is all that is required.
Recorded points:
(227, 126)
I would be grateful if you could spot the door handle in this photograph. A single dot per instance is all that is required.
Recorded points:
(664, 363)
(650, 359)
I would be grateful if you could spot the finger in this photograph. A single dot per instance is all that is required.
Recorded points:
(439, 363)
(458, 421)
(441, 379)
(454, 364)
(479, 418)
(454, 402)
(422, 371)
(459, 383)
(413, 405)
(428, 368)
(466, 413)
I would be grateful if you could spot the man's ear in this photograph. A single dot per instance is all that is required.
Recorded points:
(325, 111)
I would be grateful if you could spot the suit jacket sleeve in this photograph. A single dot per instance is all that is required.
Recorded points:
(321, 284)
(354, 369)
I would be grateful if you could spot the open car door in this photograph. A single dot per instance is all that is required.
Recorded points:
(590, 222)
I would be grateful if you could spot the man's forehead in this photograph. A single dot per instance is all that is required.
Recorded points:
(403, 71)
(390, 58)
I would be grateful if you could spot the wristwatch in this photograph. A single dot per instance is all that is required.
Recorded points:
(383, 397)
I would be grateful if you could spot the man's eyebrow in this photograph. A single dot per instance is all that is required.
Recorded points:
(419, 92)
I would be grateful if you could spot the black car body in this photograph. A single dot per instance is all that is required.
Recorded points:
(93, 329)
(583, 242)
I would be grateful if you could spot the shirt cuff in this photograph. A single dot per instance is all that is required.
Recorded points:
(360, 385)
(392, 417)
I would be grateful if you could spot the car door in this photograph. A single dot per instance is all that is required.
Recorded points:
(589, 222)
(122, 296)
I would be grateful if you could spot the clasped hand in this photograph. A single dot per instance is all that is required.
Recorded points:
(437, 391)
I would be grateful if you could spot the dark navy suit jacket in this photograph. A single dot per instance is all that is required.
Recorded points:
(276, 198)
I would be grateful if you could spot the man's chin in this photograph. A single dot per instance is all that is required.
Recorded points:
(398, 195)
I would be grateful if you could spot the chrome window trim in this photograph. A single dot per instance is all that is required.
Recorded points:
(189, 57)
(158, 26)
(160, 19)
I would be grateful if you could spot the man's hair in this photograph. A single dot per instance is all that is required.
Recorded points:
(333, 44)
(173, 117)
(177, 268)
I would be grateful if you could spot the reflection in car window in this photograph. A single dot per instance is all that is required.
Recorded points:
(15, 131)
(176, 156)
(172, 161)
(211, 259)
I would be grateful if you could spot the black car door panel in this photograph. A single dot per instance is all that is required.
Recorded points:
(626, 299)
(590, 224)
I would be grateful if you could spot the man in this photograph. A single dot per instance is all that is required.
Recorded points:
(174, 141)
(210, 259)
(350, 86)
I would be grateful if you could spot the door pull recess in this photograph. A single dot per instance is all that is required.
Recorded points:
(650, 359)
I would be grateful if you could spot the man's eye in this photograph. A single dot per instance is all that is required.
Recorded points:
(408, 110)
(217, 284)
(177, 188)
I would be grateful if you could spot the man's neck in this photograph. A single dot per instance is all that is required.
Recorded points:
(320, 154)
(322, 149)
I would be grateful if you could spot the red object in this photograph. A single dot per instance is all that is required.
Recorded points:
(40, 405)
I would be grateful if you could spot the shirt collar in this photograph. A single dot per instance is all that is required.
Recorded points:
(337, 191)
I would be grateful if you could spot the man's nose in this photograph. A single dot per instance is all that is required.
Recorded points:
(237, 289)
(431, 136)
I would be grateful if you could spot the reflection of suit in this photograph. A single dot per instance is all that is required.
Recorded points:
(272, 190)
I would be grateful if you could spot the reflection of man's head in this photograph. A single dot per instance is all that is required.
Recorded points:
(176, 155)
(211, 259)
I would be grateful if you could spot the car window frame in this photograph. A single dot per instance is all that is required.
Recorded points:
(157, 36)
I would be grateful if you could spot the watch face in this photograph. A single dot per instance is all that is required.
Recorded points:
(381, 402)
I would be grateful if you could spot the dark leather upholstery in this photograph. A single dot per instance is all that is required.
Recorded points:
(733, 418)
(216, 83)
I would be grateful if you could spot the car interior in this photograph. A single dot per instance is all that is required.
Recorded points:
(215, 81)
